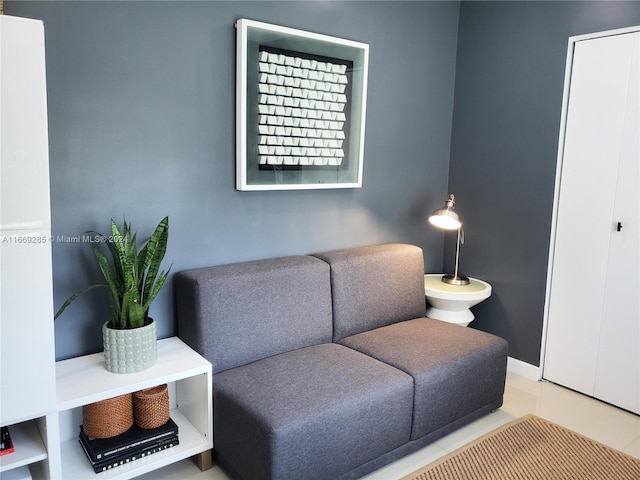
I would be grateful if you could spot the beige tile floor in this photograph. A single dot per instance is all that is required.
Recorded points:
(600, 421)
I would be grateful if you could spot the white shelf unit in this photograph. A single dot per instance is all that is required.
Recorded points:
(84, 380)
(29, 448)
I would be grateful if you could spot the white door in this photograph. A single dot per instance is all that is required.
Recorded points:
(593, 333)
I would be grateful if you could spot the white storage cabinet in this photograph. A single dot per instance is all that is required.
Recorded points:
(27, 363)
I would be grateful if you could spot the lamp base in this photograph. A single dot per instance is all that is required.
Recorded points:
(455, 279)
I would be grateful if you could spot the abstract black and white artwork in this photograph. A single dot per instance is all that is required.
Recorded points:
(300, 109)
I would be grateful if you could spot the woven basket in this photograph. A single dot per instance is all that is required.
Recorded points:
(151, 407)
(108, 418)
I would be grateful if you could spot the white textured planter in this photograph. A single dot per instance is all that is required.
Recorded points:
(130, 350)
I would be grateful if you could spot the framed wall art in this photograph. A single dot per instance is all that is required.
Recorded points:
(301, 104)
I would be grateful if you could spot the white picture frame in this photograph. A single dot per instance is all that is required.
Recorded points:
(300, 109)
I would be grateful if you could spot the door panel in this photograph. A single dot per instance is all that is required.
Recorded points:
(618, 366)
(582, 285)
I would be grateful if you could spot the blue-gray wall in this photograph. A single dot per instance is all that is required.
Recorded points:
(509, 84)
(142, 125)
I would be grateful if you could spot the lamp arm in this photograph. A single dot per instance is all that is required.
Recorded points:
(455, 273)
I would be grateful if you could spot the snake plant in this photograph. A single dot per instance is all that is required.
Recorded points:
(133, 279)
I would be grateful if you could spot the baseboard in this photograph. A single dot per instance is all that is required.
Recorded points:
(526, 370)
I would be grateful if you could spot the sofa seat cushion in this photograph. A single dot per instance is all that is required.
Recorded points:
(312, 413)
(456, 370)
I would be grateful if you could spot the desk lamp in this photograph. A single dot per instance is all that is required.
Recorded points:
(448, 219)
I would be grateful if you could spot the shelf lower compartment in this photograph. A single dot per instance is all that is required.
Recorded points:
(28, 445)
(76, 466)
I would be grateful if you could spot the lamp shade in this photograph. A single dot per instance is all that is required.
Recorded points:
(446, 217)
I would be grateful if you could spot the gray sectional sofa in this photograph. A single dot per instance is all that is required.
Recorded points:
(325, 366)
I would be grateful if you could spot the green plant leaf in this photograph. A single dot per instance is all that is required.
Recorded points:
(137, 315)
(73, 297)
(113, 285)
(122, 257)
(127, 302)
(155, 251)
(156, 289)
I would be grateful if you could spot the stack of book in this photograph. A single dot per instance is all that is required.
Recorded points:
(136, 443)
(6, 445)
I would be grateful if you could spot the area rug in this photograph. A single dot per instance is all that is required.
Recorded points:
(531, 448)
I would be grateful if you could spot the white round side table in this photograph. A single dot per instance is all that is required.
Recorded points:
(451, 303)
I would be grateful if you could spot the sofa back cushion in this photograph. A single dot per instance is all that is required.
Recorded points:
(239, 313)
(375, 286)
